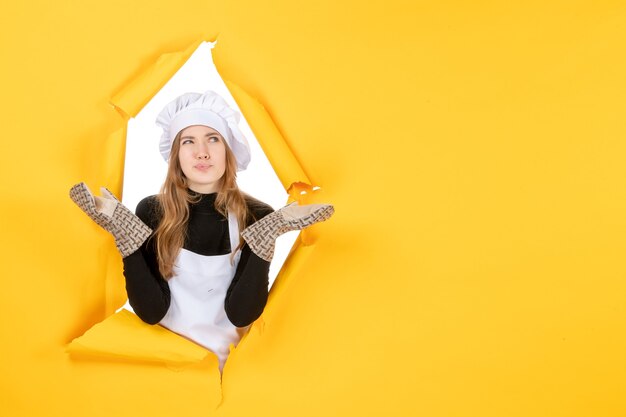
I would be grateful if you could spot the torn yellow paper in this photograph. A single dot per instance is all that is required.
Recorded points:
(124, 336)
(146, 344)
(132, 98)
(112, 158)
(475, 152)
(280, 156)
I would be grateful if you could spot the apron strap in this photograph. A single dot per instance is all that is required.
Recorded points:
(233, 231)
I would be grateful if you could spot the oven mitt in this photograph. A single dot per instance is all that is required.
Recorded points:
(261, 235)
(127, 229)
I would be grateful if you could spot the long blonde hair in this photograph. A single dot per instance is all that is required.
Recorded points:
(175, 198)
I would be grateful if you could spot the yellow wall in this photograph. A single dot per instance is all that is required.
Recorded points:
(473, 151)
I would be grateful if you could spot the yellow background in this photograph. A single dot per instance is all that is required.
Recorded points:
(473, 151)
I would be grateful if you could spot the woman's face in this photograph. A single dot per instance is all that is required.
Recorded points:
(202, 157)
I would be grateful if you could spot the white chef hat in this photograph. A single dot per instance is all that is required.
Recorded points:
(208, 109)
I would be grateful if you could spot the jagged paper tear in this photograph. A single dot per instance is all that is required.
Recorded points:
(123, 335)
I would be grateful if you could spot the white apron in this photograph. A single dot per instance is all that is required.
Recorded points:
(198, 289)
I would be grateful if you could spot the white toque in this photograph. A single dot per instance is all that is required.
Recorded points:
(208, 109)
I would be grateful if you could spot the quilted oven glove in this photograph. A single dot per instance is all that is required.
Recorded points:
(261, 236)
(127, 229)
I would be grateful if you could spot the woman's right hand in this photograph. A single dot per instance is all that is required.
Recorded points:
(127, 229)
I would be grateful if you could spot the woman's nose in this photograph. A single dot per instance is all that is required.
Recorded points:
(202, 153)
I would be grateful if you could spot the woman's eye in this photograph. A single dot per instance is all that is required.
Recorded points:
(214, 139)
(185, 141)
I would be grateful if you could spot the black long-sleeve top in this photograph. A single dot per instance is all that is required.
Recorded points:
(208, 235)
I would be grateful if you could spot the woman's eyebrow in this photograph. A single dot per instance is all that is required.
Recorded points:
(193, 137)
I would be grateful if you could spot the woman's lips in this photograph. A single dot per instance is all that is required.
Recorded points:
(202, 167)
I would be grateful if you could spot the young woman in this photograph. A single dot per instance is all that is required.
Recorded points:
(196, 256)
